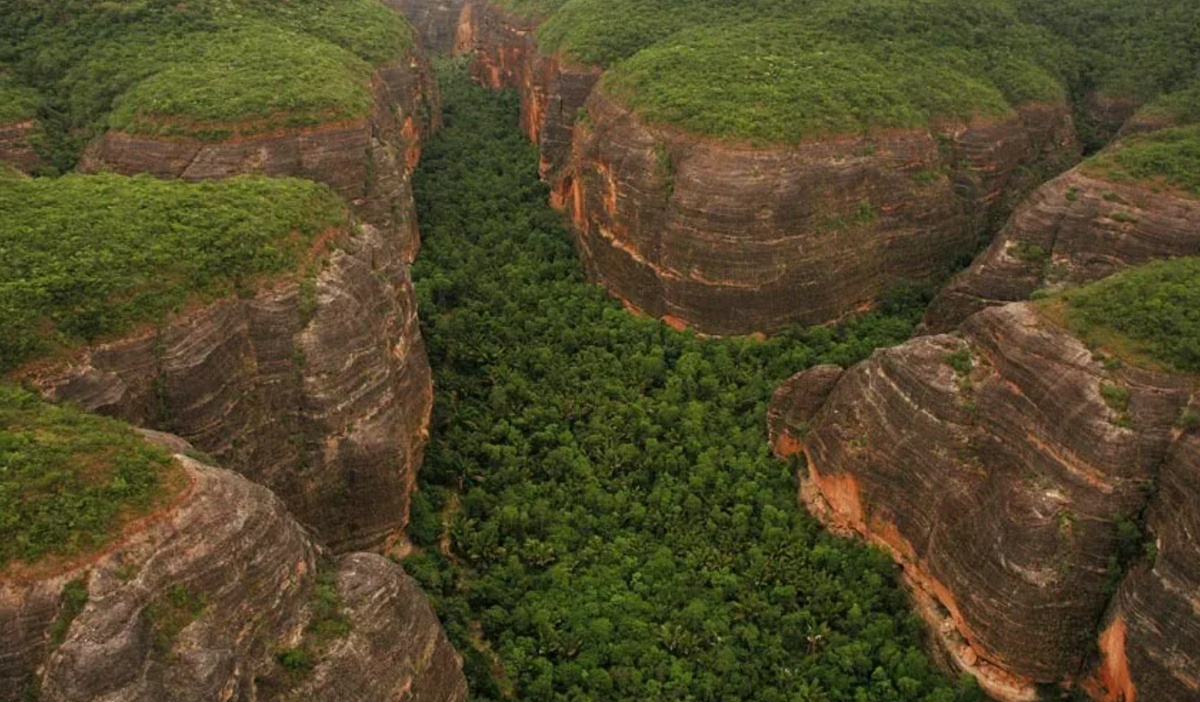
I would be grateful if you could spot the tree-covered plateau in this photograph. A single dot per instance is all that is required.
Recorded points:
(599, 516)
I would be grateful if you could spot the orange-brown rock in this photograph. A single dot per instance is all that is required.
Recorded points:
(435, 21)
(197, 603)
(991, 467)
(730, 239)
(16, 146)
(367, 161)
(322, 395)
(1074, 229)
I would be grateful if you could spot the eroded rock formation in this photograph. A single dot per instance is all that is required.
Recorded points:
(319, 390)
(729, 238)
(197, 601)
(435, 21)
(16, 145)
(1074, 229)
(992, 467)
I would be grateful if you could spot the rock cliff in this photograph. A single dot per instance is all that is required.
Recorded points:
(1074, 229)
(435, 21)
(204, 599)
(15, 145)
(321, 391)
(997, 470)
(729, 238)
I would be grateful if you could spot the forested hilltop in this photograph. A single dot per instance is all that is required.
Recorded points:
(207, 69)
(599, 517)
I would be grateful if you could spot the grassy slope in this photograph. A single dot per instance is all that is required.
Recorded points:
(786, 71)
(69, 479)
(1149, 316)
(171, 63)
(92, 256)
(17, 102)
(1168, 159)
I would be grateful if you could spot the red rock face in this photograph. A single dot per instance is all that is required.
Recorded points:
(15, 149)
(730, 239)
(1074, 229)
(324, 397)
(998, 491)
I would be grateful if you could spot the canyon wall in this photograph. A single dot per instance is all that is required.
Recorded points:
(435, 21)
(318, 389)
(15, 145)
(1074, 229)
(197, 602)
(730, 238)
(993, 469)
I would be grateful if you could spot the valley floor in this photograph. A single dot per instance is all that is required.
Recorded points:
(617, 528)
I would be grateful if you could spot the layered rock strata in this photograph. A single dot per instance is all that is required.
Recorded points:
(367, 161)
(16, 145)
(992, 467)
(318, 389)
(1074, 229)
(197, 602)
(435, 21)
(729, 238)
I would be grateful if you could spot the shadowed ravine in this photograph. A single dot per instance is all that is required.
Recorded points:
(618, 528)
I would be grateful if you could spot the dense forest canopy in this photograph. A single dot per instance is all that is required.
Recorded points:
(91, 256)
(783, 70)
(599, 515)
(160, 65)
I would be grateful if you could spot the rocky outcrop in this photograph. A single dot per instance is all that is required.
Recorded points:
(16, 145)
(435, 21)
(197, 603)
(366, 161)
(730, 239)
(1074, 229)
(318, 389)
(993, 469)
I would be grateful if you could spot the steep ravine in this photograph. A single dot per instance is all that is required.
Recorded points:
(599, 516)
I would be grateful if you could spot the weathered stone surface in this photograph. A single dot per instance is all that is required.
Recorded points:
(731, 239)
(229, 548)
(15, 146)
(327, 406)
(998, 489)
(1074, 229)
(366, 161)
(435, 21)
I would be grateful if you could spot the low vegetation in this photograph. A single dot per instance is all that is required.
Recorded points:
(599, 514)
(17, 102)
(92, 256)
(1168, 159)
(68, 480)
(179, 67)
(1147, 316)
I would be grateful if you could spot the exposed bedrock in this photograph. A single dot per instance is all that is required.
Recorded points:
(367, 161)
(196, 602)
(16, 147)
(1074, 229)
(435, 21)
(321, 391)
(731, 239)
(990, 466)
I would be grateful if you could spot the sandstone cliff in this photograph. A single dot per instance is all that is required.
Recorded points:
(435, 21)
(1075, 229)
(992, 467)
(730, 238)
(201, 601)
(319, 390)
(15, 145)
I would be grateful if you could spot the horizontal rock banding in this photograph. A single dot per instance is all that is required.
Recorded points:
(16, 147)
(994, 471)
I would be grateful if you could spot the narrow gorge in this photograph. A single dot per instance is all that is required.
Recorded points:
(574, 350)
